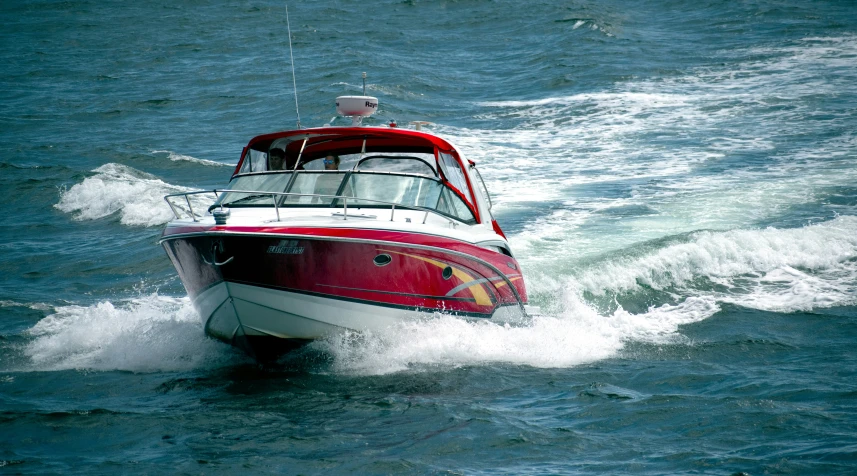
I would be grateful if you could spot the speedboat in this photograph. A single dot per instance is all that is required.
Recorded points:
(342, 227)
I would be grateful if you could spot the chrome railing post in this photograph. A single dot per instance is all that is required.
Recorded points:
(392, 211)
(172, 207)
(274, 199)
(190, 207)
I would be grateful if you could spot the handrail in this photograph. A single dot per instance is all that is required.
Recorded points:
(274, 200)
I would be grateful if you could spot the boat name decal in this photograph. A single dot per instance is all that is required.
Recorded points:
(286, 247)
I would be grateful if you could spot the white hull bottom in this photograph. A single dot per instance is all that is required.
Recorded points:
(231, 311)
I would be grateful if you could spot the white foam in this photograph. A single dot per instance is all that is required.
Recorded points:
(653, 136)
(578, 336)
(137, 196)
(147, 334)
(781, 270)
(176, 157)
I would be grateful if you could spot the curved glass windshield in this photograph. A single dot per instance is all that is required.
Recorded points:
(315, 188)
(406, 190)
(363, 189)
(270, 182)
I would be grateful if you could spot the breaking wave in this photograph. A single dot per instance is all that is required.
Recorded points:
(175, 157)
(38, 306)
(772, 269)
(146, 334)
(136, 196)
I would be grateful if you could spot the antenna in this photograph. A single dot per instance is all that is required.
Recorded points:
(364, 83)
(294, 82)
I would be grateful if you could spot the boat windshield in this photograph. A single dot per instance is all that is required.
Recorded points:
(256, 184)
(366, 189)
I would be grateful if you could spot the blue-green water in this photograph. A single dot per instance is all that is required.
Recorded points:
(678, 180)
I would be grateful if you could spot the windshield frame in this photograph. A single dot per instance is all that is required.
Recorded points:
(338, 199)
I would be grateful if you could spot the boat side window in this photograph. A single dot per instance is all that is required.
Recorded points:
(254, 161)
(483, 188)
(256, 186)
(453, 173)
(451, 204)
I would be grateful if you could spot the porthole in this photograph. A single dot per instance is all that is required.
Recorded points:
(382, 260)
(447, 272)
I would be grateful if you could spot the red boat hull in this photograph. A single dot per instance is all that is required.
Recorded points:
(383, 269)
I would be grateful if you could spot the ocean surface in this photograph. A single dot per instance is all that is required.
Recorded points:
(677, 179)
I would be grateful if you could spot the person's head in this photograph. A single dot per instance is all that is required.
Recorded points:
(276, 159)
(331, 162)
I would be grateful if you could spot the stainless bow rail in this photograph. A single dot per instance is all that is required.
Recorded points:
(192, 215)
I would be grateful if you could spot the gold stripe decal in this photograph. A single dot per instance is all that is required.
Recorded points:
(476, 288)
(503, 283)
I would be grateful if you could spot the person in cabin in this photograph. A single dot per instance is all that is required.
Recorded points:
(331, 162)
(276, 159)
(328, 184)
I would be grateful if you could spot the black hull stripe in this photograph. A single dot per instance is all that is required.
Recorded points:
(424, 296)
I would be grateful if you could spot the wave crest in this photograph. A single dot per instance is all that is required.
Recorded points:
(176, 157)
(770, 269)
(147, 334)
(137, 196)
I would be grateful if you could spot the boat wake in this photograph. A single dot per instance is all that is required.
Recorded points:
(769, 269)
(580, 335)
(783, 270)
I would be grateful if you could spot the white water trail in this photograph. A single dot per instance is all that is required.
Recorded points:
(782, 270)
(580, 335)
(146, 334)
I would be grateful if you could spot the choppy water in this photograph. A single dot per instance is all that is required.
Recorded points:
(677, 180)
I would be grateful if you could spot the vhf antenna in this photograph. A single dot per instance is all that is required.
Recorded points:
(294, 82)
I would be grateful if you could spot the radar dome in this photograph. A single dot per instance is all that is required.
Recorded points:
(363, 106)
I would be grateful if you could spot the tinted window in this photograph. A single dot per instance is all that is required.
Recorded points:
(454, 173)
(451, 204)
(254, 161)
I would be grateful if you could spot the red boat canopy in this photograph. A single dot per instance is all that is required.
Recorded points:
(312, 144)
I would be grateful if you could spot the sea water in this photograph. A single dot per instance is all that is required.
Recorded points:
(677, 180)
